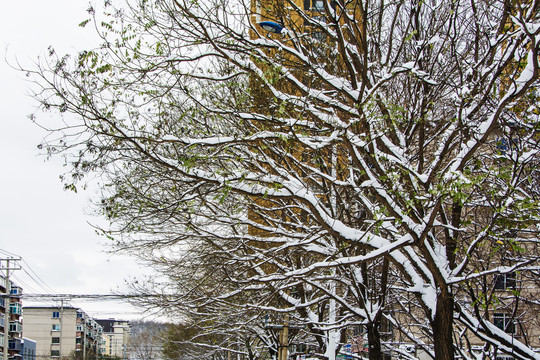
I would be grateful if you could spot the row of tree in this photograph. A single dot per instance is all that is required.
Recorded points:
(373, 165)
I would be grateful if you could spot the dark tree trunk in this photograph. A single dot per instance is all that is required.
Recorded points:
(373, 327)
(443, 327)
(374, 341)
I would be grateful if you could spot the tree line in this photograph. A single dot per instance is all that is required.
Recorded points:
(371, 167)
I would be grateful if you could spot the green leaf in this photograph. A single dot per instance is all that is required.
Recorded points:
(83, 24)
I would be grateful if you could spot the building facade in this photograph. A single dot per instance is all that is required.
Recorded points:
(116, 335)
(63, 332)
(28, 349)
(14, 318)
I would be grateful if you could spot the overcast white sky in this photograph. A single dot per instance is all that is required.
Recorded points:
(39, 221)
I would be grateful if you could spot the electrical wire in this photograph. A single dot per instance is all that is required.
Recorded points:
(39, 281)
(47, 294)
(9, 253)
(91, 297)
(33, 275)
(24, 284)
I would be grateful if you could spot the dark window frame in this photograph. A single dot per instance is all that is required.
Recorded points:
(505, 281)
(505, 322)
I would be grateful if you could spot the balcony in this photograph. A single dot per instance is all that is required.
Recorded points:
(15, 327)
(15, 345)
(15, 308)
(16, 291)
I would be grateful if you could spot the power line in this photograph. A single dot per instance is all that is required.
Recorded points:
(39, 281)
(33, 276)
(20, 281)
(8, 253)
(88, 296)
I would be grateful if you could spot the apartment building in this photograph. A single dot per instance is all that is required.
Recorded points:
(63, 331)
(28, 349)
(13, 343)
(116, 335)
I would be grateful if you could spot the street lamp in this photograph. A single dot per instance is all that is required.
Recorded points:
(272, 27)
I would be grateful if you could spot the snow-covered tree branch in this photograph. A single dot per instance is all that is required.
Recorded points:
(374, 162)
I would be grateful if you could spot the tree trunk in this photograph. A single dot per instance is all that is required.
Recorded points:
(442, 326)
(374, 341)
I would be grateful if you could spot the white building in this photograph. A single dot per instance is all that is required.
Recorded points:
(62, 332)
(116, 334)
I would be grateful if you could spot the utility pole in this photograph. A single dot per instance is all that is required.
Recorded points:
(11, 264)
(61, 326)
(283, 353)
(83, 340)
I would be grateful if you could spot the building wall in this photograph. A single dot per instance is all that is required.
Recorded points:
(2, 312)
(13, 342)
(28, 349)
(116, 335)
(45, 323)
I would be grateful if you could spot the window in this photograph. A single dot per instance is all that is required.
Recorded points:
(56, 327)
(55, 340)
(15, 290)
(55, 353)
(505, 281)
(258, 11)
(301, 348)
(314, 5)
(15, 308)
(56, 314)
(15, 326)
(386, 329)
(504, 322)
(386, 326)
